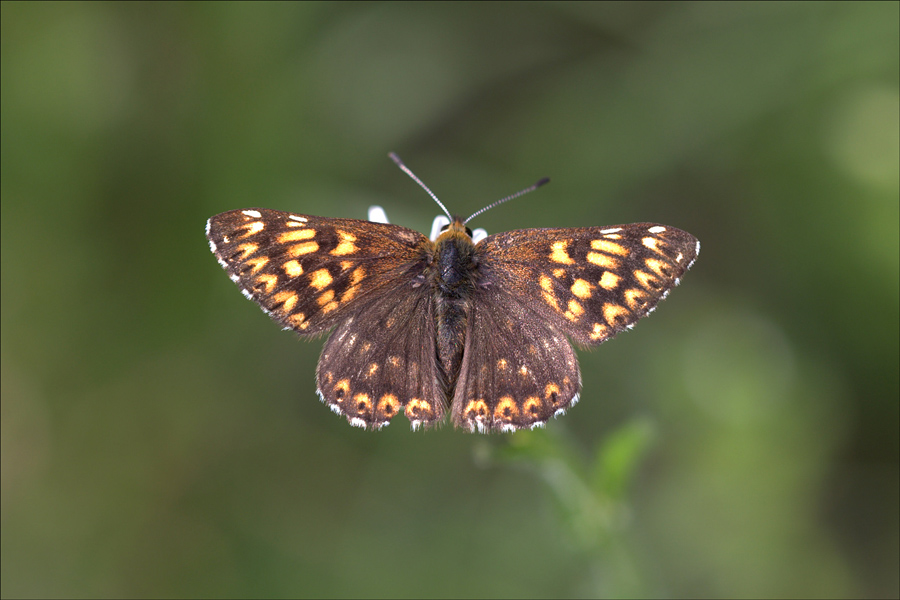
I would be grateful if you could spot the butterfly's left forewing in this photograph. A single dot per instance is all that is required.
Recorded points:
(307, 272)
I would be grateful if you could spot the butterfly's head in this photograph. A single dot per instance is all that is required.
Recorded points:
(443, 225)
(453, 229)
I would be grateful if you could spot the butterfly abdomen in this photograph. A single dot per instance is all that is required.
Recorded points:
(453, 278)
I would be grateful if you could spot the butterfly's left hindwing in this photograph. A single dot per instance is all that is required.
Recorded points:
(382, 361)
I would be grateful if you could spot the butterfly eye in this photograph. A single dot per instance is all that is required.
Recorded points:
(468, 232)
(445, 227)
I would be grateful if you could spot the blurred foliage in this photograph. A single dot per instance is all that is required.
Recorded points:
(160, 437)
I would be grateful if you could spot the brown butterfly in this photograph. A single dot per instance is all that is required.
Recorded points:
(470, 326)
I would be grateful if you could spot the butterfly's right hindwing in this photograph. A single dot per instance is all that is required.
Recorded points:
(517, 370)
(308, 272)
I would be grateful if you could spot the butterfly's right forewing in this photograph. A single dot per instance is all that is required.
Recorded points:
(589, 282)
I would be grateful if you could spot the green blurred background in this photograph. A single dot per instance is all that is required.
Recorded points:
(160, 436)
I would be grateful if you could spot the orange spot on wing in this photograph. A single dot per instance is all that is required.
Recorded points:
(602, 260)
(388, 406)
(636, 299)
(256, 264)
(476, 410)
(345, 245)
(293, 268)
(506, 409)
(659, 267)
(559, 253)
(304, 248)
(612, 312)
(609, 280)
(609, 247)
(296, 235)
(419, 410)
(532, 406)
(267, 283)
(288, 299)
(320, 279)
(575, 310)
(582, 289)
(247, 250)
(599, 332)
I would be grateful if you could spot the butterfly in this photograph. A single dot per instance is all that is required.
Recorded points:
(474, 326)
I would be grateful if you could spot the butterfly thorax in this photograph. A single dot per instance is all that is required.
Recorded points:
(453, 277)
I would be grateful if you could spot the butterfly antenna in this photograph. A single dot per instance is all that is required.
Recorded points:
(530, 188)
(406, 170)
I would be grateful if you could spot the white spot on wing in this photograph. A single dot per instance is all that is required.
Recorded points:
(252, 213)
(657, 229)
(357, 422)
(650, 242)
(296, 218)
(377, 214)
(613, 230)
